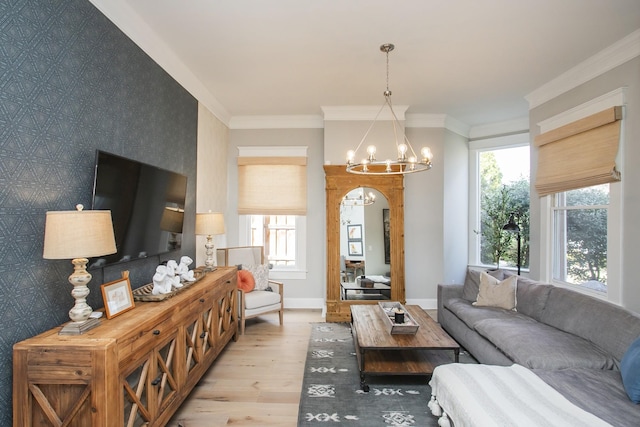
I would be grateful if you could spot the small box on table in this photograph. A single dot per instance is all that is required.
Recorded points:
(389, 309)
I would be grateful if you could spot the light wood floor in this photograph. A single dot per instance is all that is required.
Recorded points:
(257, 380)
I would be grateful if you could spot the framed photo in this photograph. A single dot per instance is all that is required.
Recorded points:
(117, 297)
(355, 248)
(354, 232)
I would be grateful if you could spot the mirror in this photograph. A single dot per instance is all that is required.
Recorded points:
(388, 189)
(364, 245)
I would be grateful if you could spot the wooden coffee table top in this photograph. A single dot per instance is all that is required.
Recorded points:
(372, 332)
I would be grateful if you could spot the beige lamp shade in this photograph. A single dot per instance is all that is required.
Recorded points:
(78, 234)
(172, 219)
(209, 223)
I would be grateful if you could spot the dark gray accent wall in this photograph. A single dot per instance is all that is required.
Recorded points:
(70, 83)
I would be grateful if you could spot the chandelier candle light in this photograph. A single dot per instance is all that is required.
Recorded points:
(407, 160)
(208, 224)
(78, 235)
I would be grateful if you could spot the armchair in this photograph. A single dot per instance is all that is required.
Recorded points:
(258, 301)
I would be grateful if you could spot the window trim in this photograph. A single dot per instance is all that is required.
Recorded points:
(475, 148)
(614, 247)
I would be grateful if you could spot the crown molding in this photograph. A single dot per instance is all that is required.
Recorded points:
(617, 54)
(363, 112)
(277, 122)
(438, 121)
(127, 20)
(519, 125)
(419, 120)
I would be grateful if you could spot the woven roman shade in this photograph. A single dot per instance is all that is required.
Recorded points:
(272, 185)
(579, 154)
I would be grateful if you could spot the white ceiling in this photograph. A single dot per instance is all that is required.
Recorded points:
(471, 60)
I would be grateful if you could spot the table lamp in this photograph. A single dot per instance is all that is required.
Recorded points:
(78, 235)
(208, 224)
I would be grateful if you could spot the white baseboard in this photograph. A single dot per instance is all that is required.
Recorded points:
(309, 303)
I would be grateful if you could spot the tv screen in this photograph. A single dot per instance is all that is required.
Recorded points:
(146, 204)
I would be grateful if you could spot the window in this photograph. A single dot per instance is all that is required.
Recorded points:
(579, 224)
(277, 233)
(283, 238)
(499, 187)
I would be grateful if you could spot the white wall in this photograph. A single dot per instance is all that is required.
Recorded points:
(456, 208)
(298, 293)
(626, 75)
(211, 177)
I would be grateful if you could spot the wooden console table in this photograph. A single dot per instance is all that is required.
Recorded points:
(132, 370)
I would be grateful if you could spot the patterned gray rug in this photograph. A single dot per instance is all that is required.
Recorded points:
(331, 391)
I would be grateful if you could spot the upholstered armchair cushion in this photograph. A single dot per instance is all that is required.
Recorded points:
(257, 299)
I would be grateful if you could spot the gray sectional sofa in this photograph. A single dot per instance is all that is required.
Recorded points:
(574, 342)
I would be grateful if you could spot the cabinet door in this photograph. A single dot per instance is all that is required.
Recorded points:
(150, 384)
(227, 319)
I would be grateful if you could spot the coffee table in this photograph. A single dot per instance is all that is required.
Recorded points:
(381, 353)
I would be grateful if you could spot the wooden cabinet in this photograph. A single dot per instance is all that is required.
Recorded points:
(132, 370)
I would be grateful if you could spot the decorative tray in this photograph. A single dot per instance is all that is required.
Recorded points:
(143, 293)
(409, 326)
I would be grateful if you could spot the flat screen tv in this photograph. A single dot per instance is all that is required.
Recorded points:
(146, 204)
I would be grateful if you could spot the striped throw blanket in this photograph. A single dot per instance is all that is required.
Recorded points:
(465, 395)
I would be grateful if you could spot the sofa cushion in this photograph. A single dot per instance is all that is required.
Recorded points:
(607, 325)
(531, 296)
(597, 391)
(470, 315)
(257, 299)
(496, 293)
(472, 282)
(630, 370)
(539, 346)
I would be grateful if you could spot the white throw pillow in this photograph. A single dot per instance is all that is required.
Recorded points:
(260, 274)
(496, 293)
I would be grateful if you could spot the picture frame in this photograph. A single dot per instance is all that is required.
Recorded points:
(117, 296)
(354, 232)
(355, 248)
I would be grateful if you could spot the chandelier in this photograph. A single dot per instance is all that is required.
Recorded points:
(361, 199)
(407, 160)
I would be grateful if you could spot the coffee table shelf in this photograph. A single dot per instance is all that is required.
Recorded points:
(381, 353)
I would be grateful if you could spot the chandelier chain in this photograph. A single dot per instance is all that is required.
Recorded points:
(388, 91)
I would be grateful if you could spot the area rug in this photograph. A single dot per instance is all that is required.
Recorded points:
(331, 391)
